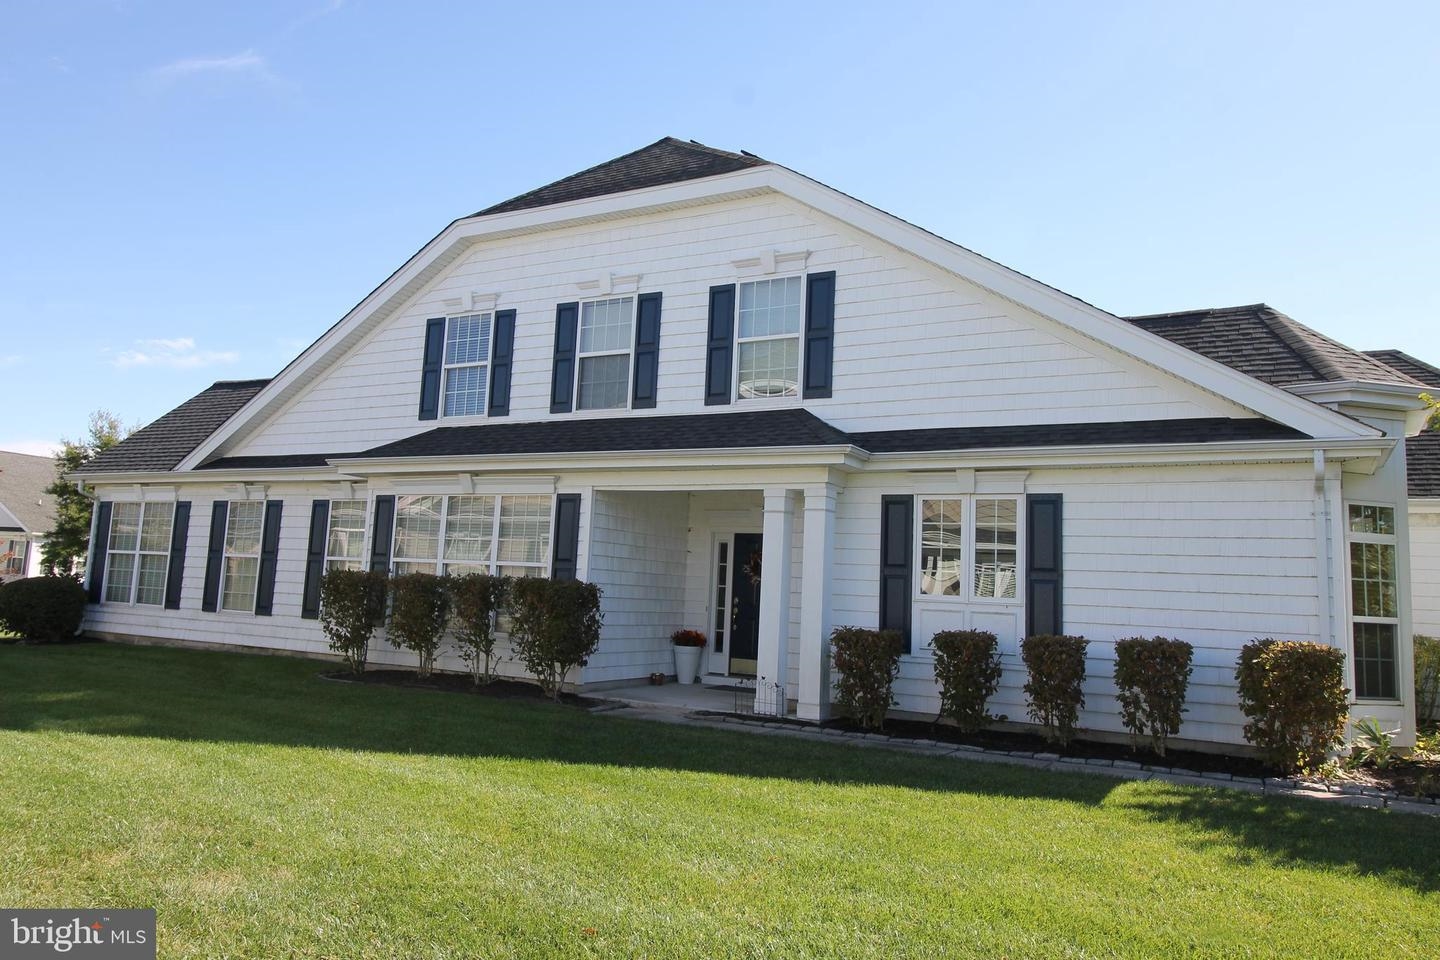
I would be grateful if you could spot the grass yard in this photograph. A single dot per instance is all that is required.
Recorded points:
(266, 813)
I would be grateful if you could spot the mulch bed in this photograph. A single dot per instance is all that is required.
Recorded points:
(460, 683)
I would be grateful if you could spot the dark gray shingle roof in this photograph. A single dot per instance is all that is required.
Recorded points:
(167, 441)
(664, 161)
(1206, 430)
(23, 479)
(1408, 365)
(1262, 342)
(1422, 465)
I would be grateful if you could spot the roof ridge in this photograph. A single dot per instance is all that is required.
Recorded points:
(1301, 339)
(579, 173)
(1206, 311)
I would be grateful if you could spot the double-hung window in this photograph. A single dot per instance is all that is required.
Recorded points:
(345, 538)
(1374, 600)
(607, 338)
(768, 338)
(507, 534)
(139, 552)
(467, 364)
(969, 547)
(241, 571)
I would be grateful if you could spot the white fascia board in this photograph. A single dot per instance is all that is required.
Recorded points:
(197, 477)
(1395, 399)
(1364, 453)
(1424, 504)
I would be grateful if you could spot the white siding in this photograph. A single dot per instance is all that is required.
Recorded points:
(914, 347)
(1425, 566)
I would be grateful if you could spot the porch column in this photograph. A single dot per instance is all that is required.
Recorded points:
(816, 559)
(773, 660)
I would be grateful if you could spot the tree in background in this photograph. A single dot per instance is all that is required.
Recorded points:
(68, 543)
(1434, 401)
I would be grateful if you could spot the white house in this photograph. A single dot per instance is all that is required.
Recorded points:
(27, 512)
(741, 401)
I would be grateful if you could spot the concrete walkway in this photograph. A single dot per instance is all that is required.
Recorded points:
(678, 708)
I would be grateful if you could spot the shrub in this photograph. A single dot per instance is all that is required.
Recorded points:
(967, 666)
(1294, 694)
(42, 609)
(556, 627)
(352, 602)
(1056, 669)
(1427, 678)
(867, 662)
(476, 599)
(419, 604)
(1152, 676)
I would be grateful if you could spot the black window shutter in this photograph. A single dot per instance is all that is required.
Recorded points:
(502, 353)
(430, 372)
(720, 345)
(384, 530)
(269, 558)
(897, 520)
(647, 350)
(565, 561)
(819, 333)
(179, 536)
(315, 558)
(1044, 560)
(562, 371)
(99, 550)
(214, 556)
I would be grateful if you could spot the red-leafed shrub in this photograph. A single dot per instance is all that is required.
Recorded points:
(867, 662)
(1056, 668)
(967, 667)
(1152, 677)
(1295, 696)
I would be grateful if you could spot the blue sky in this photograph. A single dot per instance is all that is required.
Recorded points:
(194, 191)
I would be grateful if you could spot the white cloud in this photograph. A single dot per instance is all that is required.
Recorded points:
(39, 448)
(247, 63)
(179, 353)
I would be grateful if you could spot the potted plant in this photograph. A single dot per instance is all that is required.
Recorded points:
(688, 644)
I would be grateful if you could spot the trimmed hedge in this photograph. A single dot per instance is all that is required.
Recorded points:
(1295, 696)
(1152, 677)
(967, 667)
(556, 627)
(419, 606)
(42, 609)
(867, 662)
(476, 599)
(352, 604)
(1427, 678)
(1056, 668)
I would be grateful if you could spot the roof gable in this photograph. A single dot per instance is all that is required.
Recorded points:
(23, 479)
(665, 161)
(167, 441)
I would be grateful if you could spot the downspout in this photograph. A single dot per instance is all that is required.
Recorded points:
(1322, 551)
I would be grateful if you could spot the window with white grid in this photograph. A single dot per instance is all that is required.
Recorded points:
(241, 571)
(345, 539)
(1374, 600)
(768, 338)
(505, 534)
(138, 552)
(467, 364)
(969, 548)
(606, 340)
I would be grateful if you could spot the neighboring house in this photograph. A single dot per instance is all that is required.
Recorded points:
(1422, 456)
(27, 512)
(742, 401)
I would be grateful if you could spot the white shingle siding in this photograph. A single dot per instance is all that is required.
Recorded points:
(944, 353)
(1425, 561)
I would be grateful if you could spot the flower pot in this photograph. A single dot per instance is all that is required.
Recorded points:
(687, 663)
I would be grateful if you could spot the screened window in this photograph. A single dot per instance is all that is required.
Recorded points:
(345, 541)
(1374, 600)
(138, 552)
(467, 357)
(969, 547)
(768, 338)
(505, 534)
(241, 576)
(606, 337)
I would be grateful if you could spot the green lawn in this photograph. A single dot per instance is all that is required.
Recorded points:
(266, 813)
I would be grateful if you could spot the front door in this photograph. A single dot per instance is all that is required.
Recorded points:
(745, 605)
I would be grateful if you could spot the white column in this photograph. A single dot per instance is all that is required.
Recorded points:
(815, 566)
(773, 660)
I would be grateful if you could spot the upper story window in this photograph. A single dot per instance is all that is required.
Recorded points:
(1374, 600)
(768, 338)
(345, 538)
(240, 576)
(139, 552)
(969, 547)
(467, 361)
(607, 338)
(508, 534)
